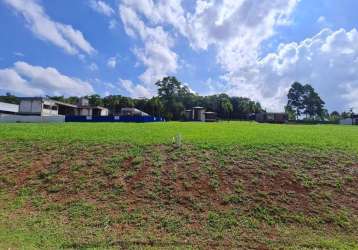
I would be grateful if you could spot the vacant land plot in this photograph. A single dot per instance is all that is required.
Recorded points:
(230, 185)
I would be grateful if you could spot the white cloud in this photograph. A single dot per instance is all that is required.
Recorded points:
(19, 54)
(321, 19)
(11, 81)
(142, 20)
(61, 35)
(328, 61)
(112, 24)
(135, 90)
(104, 9)
(112, 62)
(93, 67)
(101, 7)
(236, 28)
(25, 79)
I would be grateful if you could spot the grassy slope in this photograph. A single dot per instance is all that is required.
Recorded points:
(223, 133)
(270, 186)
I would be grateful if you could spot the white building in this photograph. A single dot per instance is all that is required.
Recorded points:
(46, 107)
(8, 108)
(38, 106)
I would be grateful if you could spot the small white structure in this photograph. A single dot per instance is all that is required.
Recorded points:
(46, 107)
(132, 112)
(8, 108)
(195, 114)
(85, 109)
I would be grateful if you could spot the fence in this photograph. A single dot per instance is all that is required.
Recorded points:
(113, 119)
(312, 122)
(31, 118)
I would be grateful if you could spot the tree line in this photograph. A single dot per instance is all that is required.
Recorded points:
(174, 98)
(305, 103)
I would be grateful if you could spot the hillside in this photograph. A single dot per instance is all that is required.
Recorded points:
(230, 185)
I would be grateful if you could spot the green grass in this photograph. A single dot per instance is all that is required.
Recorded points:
(230, 185)
(211, 134)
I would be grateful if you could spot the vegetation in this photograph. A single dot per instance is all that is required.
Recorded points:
(304, 100)
(204, 134)
(230, 185)
(173, 98)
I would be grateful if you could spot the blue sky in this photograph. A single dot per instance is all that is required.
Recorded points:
(249, 48)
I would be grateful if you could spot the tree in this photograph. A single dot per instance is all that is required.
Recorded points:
(171, 92)
(334, 116)
(303, 99)
(169, 87)
(295, 96)
(156, 106)
(95, 100)
(116, 102)
(9, 98)
(313, 104)
(226, 108)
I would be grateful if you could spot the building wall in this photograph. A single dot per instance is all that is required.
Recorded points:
(31, 118)
(38, 107)
(104, 112)
(30, 107)
(8, 107)
(85, 112)
(49, 111)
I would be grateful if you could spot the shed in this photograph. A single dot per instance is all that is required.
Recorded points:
(198, 114)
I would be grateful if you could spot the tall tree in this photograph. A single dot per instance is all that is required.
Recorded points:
(295, 96)
(313, 104)
(171, 92)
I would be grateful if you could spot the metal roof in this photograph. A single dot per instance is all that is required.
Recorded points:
(9, 107)
(65, 104)
(33, 98)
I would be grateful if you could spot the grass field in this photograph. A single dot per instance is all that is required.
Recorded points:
(211, 134)
(230, 185)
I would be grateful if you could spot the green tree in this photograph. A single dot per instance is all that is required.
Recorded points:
(95, 100)
(156, 106)
(171, 92)
(9, 98)
(334, 116)
(295, 96)
(313, 104)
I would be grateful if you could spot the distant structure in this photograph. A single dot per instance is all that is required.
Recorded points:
(85, 109)
(353, 120)
(132, 112)
(271, 117)
(200, 114)
(44, 110)
(8, 108)
(47, 107)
